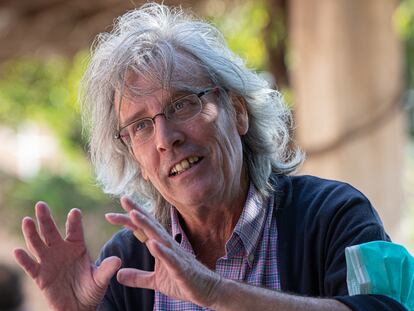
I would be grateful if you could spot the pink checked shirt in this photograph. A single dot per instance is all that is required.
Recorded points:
(251, 252)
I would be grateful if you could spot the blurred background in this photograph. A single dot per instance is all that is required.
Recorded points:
(346, 67)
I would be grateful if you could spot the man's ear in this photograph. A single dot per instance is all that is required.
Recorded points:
(242, 117)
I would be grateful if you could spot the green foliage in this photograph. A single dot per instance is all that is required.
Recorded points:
(246, 27)
(45, 92)
(61, 193)
(33, 90)
(243, 27)
(404, 25)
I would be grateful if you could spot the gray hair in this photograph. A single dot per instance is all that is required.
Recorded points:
(154, 40)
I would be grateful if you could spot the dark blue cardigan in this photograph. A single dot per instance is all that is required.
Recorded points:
(316, 220)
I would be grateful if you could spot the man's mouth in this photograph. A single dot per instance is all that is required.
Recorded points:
(184, 165)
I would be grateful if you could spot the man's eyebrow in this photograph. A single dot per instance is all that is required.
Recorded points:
(132, 118)
(176, 95)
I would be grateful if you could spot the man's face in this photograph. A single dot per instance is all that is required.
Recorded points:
(193, 163)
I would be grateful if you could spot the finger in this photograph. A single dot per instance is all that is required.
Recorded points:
(33, 241)
(30, 266)
(106, 271)
(136, 278)
(120, 220)
(74, 227)
(47, 226)
(128, 205)
(125, 220)
(150, 227)
(165, 255)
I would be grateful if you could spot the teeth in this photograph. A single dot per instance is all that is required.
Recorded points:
(179, 167)
(183, 165)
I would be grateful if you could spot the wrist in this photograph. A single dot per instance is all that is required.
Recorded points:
(220, 296)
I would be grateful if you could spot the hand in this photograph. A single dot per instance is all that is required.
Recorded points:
(62, 268)
(176, 273)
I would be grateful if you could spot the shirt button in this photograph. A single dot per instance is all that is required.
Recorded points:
(251, 258)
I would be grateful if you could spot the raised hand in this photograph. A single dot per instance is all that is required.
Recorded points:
(62, 268)
(176, 273)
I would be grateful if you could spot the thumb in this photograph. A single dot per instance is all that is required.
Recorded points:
(106, 271)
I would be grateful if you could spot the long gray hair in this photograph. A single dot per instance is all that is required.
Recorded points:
(152, 41)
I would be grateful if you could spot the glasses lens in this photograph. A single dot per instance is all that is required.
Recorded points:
(180, 110)
(184, 109)
(137, 132)
(141, 130)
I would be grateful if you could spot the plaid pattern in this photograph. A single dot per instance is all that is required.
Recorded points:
(251, 251)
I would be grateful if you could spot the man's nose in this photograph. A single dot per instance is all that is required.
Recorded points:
(167, 134)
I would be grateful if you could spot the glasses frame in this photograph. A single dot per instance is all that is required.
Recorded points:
(199, 95)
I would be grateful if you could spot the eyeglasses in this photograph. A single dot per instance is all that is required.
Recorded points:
(181, 110)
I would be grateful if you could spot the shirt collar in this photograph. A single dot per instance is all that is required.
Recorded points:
(177, 232)
(252, 220)
(248, 227)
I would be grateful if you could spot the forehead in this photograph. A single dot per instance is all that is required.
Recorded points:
(137, 92)
(186, 75)
(135, 95)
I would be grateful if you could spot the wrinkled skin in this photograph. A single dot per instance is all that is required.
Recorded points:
(62, 268)
(177, 273)
(69, 280)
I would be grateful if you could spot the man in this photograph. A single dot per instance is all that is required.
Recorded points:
(181, 126)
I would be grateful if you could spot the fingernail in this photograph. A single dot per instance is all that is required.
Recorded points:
(44, 204)
(26, 218)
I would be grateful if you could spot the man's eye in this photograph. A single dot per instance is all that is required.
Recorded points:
(179, 105)
(139, 126)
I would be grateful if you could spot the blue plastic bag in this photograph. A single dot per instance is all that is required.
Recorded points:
(383, 268)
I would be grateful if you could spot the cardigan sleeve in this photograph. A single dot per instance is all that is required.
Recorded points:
(354, 222)
(371, 302)
(317, 219)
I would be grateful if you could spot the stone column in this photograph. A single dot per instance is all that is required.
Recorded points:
(347, 79)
